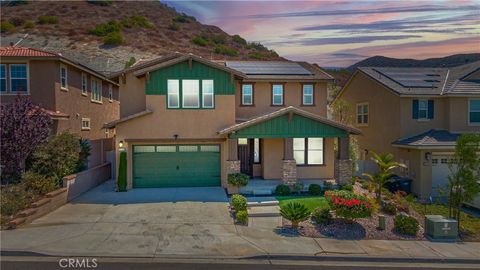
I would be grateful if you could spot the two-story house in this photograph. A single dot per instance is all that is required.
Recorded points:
(77, 98)
(187, 121)
(416, 114)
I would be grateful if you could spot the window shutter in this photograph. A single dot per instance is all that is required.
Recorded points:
(430, 109)
(415, 109)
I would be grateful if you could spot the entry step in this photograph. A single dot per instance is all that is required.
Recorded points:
(264, 211)
(262, 203)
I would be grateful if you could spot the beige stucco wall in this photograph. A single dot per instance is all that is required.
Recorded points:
(293, 97)
(458, 115)
(273, 159)
(410, 126)
(132, 94)
(384, 113)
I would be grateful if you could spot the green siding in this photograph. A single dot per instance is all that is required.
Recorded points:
(280, 127)
(222, 84)
(176, 169)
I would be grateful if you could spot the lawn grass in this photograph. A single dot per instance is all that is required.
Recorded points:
(311, 202)
(468, 223)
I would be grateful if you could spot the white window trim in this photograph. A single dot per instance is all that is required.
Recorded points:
(251, 95)
(212, 94)
(198, 95)
(110, 93)
(422, 119)
(468, 112)
(93, 90)
(306, 150)
(85, 92)
(10, 79)
(367, 114)
(281, 95)
(89, 123)
(62, 66)
(304, 95)
(6, 90)
(177, 94)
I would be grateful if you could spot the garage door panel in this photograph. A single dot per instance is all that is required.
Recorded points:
(177, 166)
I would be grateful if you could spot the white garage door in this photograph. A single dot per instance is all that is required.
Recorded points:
(440, 172)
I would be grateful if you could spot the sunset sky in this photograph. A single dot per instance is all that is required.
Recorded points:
(339, 33)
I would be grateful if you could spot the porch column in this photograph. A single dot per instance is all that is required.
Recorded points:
(289, 168)
(343, 163)
(233, 164)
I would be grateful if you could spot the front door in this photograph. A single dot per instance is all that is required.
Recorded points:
(245, 156)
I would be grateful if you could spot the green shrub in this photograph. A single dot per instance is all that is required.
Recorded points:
(13, 199)
(6, 26)
(220, 49)
(130, 62)
(238, 179)
(184, 18)
(46, 19)
(174, 26)
(406, 225)
(256, 46)
(17, 21)
(122, 172)
(238, 39)
(199, 41)
(239, 202)
(103, 3)
(327, 185)
(322, 215)
(347, 187)
(282, 190)
(219, 39)
(298, 188)
(29, 25)
(136, 21)
(114, 38)
(104, 29)
(348, 205)
(38, 184)
(294, 212)
(85, 149)
(57, 157)
(256, 55)
(314, 189)
(390, 208)
(242, 217)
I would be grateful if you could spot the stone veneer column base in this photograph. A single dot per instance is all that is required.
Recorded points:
(343, 171)
(233, 166)
(289, 171)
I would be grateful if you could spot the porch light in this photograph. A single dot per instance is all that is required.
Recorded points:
(428, 155)
(120, 144)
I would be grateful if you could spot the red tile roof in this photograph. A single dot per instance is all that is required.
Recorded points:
(23, 51)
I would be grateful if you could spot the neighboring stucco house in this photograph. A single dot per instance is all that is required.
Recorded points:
(77, 98)
(188, 121)
(416, 114)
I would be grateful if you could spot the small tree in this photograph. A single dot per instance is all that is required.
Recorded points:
(386, 165)
(23, 127)
(463, 180)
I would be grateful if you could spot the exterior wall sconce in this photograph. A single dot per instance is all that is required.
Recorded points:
(120, 146)
(428, 156)
(175, 136)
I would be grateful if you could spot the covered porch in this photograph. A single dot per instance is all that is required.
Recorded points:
(289, 146)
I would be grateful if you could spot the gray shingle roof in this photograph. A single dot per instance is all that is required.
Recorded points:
(431, 138)
(427, 81)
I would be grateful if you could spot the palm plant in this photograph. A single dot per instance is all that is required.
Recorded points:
(295, 212)
(386, 164)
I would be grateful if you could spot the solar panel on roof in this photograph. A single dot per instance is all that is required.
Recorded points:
(268, 68)
(411, 78)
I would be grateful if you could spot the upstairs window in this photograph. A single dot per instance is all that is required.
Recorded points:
(190, 92)
(422, 109)
(247, 94)
(63, 77)
(474, 111)
(207, 94)
(84, 84)
(307, 94)
(362, 114)
(85, 123)
(18, 78)
(308, 151)
(110, 93)
(277, 94)
(173, 96)
(96, 89)
(3, 78)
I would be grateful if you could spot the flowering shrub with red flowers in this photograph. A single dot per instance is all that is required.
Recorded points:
(348, 205)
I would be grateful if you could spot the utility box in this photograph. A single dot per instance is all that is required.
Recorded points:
(438, 228)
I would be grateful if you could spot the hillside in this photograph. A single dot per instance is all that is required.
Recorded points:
(448, 61)
(107, 34)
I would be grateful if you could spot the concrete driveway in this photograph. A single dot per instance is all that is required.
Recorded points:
(144, 222)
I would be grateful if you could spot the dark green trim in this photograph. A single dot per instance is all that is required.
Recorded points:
(283, 127)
